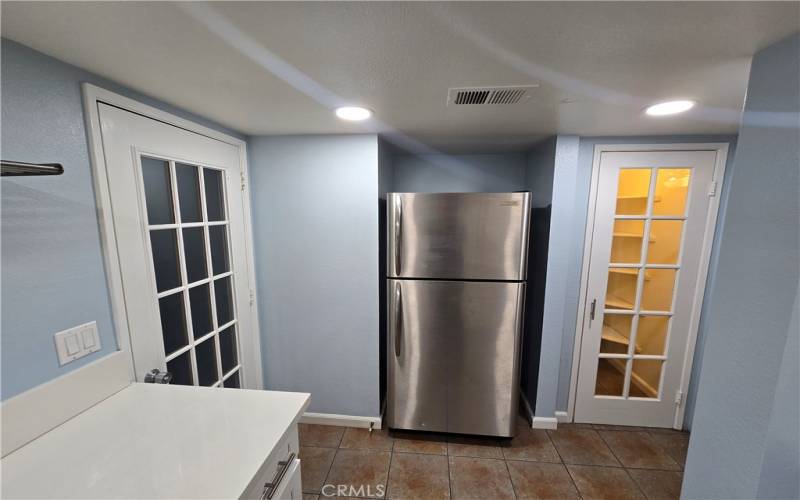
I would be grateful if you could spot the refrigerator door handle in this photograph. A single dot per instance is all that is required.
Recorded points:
(398, 234)
(398, 318)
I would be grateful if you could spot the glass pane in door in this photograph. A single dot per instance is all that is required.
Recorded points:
(189, 192)
(232, 382)
(651, 335)
(665, 241)
(173, 322)
(206, 353)
(616, 334)
(187, 218)
(222, 290)
(610, 377)
(645, 378)
(657, 294)
(227, 349)
(181, 369)
(194, 250)
(158, 191)
(164, 246)
(200, 302)
(215, 197)
(672, 187)
(626, 246)
(219, 249)
(621, 288)
(633, 190)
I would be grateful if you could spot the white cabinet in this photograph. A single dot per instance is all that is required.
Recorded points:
(282, 468)
(162, 441)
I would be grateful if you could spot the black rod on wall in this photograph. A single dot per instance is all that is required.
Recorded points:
(18, 168)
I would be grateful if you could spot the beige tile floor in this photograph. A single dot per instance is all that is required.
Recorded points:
(575, 461)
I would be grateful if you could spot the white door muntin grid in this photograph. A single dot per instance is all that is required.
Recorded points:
(210, 280)
(625, 408)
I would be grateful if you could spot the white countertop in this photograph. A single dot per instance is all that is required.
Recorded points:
(155, 441)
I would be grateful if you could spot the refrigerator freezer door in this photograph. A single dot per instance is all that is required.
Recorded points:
(463, 236)
(453, 355)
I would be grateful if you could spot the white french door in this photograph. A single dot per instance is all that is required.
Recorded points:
(647, 250)
(177, 209)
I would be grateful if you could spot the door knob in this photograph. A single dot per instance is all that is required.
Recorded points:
(156, 376)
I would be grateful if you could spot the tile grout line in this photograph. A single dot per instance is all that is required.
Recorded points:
(564, 464)
(327, 474)
(572, 478)
(335, 453)
(610, 449)
(510, 480)
(389, 471)
(623, 465)
(449, 481)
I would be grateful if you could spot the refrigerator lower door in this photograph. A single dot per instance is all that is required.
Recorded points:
(454, 355)
(417, 350)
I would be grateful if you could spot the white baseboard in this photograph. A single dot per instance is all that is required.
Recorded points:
(341, 420)
(545, 423)
(38, 410)
(562, 417)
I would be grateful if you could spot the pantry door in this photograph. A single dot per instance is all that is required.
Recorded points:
(649, 234)
(178, 220)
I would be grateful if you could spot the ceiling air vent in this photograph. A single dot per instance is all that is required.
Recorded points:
(489, 95)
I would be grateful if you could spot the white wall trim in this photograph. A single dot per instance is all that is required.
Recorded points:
(92, 95)
(341, 420)
(562, 417)
(550, 423)
(721, 148)
(28, 415)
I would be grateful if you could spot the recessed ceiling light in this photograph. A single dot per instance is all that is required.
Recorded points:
(353, 113)
(669, 108)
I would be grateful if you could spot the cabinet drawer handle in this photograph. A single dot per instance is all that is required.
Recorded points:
(271, 487)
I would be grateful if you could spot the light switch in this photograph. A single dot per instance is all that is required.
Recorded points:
(77, 342)
(87, 335)
(72, 344)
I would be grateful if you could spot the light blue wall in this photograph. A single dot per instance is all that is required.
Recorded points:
(315, 225)
(458, 173)
(779, 470)
(52, 268)
(558, 288)
(572, 182)
(741, 434)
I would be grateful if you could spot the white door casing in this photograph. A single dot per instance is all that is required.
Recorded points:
(124, 132)
(643, 287)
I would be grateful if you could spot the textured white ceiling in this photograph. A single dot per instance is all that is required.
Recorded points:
(278, 68)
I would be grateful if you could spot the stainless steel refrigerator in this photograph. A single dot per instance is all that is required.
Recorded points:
(457, 265)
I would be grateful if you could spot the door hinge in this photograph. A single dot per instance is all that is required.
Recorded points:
(592, 308)
(679, 398)
(712, 188)
(241, 176)
(252, 298)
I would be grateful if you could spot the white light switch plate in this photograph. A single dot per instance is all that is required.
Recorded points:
(77, 342)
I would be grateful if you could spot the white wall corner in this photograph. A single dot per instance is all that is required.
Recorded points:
(562, 417)
(341, 420)
(545, 423)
